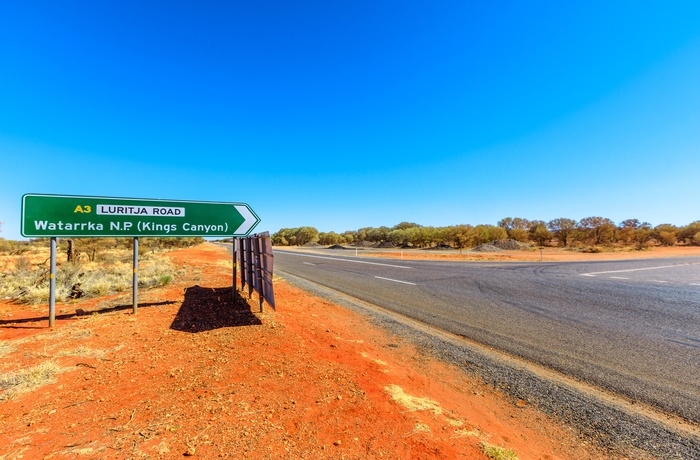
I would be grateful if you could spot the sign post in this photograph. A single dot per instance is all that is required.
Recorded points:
(52, 284)
(52, 216)
(135, 279)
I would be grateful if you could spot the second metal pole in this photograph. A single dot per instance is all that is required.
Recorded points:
(235, 266)
(135, 280)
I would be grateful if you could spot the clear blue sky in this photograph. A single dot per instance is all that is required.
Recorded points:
(342, 115)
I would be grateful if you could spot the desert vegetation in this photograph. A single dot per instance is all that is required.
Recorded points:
(86, 267)
(588, 234)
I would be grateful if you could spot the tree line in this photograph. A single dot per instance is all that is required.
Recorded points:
(562, 232)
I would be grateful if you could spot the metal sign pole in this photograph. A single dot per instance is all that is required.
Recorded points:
(258, 268)
(52, 284)
(241, 261)
(135, 280)
(235, 266)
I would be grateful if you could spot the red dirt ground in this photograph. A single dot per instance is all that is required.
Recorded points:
(195, 374)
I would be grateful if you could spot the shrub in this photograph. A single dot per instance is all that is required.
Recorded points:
(164, 280)
(98, 288)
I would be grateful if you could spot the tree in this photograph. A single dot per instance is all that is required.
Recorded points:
(516, 227)
(690, 234)
(599, 230)
(462, 236)
(431, 236)
(295, 236)
(665, 234)
(487, 233)
(377, 235)
(330, 238)
(362, 234)
(632, 230)
(350, 236)
(642, 235)
(306, 235)
(416, 237)
(630, 223)
(282, 237)
(398, 237)
(539, 232)
(506, 223)
(405, 225)
(71, 252)
(562, 228)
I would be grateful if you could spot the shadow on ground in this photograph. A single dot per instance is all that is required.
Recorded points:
(14, 323)
(206, 309)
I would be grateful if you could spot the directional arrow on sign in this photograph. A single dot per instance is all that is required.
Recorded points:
(250, 219)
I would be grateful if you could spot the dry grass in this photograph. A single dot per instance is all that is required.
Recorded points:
(26, 380)
(412, 403)
(6, 348)
(497, 453)
(83, 352)
(418, 428)
(29, 283)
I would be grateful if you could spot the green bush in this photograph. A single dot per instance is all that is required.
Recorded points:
(164, 280)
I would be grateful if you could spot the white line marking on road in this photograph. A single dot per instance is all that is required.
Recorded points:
(658, 281)
(618, 278)
(637, 269)
(343, 260)
(396, 281)
(308, 263)
(695, 284)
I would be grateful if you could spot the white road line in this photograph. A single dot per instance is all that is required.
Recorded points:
(637, 269)
(343, 260)
(658, 281)
(695, 284)
(395, 281)
(618, 278)
(308, 263)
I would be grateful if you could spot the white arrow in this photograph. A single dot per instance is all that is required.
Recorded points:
(249, 220)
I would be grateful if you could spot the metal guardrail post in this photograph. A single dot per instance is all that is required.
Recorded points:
(252, 255)
(258, 268)
(249, 265)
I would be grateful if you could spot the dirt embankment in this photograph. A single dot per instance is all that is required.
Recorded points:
(196, 374)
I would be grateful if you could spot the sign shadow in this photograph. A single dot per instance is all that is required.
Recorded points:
(206, 309)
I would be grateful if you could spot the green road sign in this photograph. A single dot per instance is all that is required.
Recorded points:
(89, 216)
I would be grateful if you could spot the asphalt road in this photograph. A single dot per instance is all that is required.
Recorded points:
(630, 327)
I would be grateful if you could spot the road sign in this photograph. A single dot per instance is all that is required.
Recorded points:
(87, 216)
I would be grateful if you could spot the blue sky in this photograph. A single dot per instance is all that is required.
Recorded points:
(342, 115)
